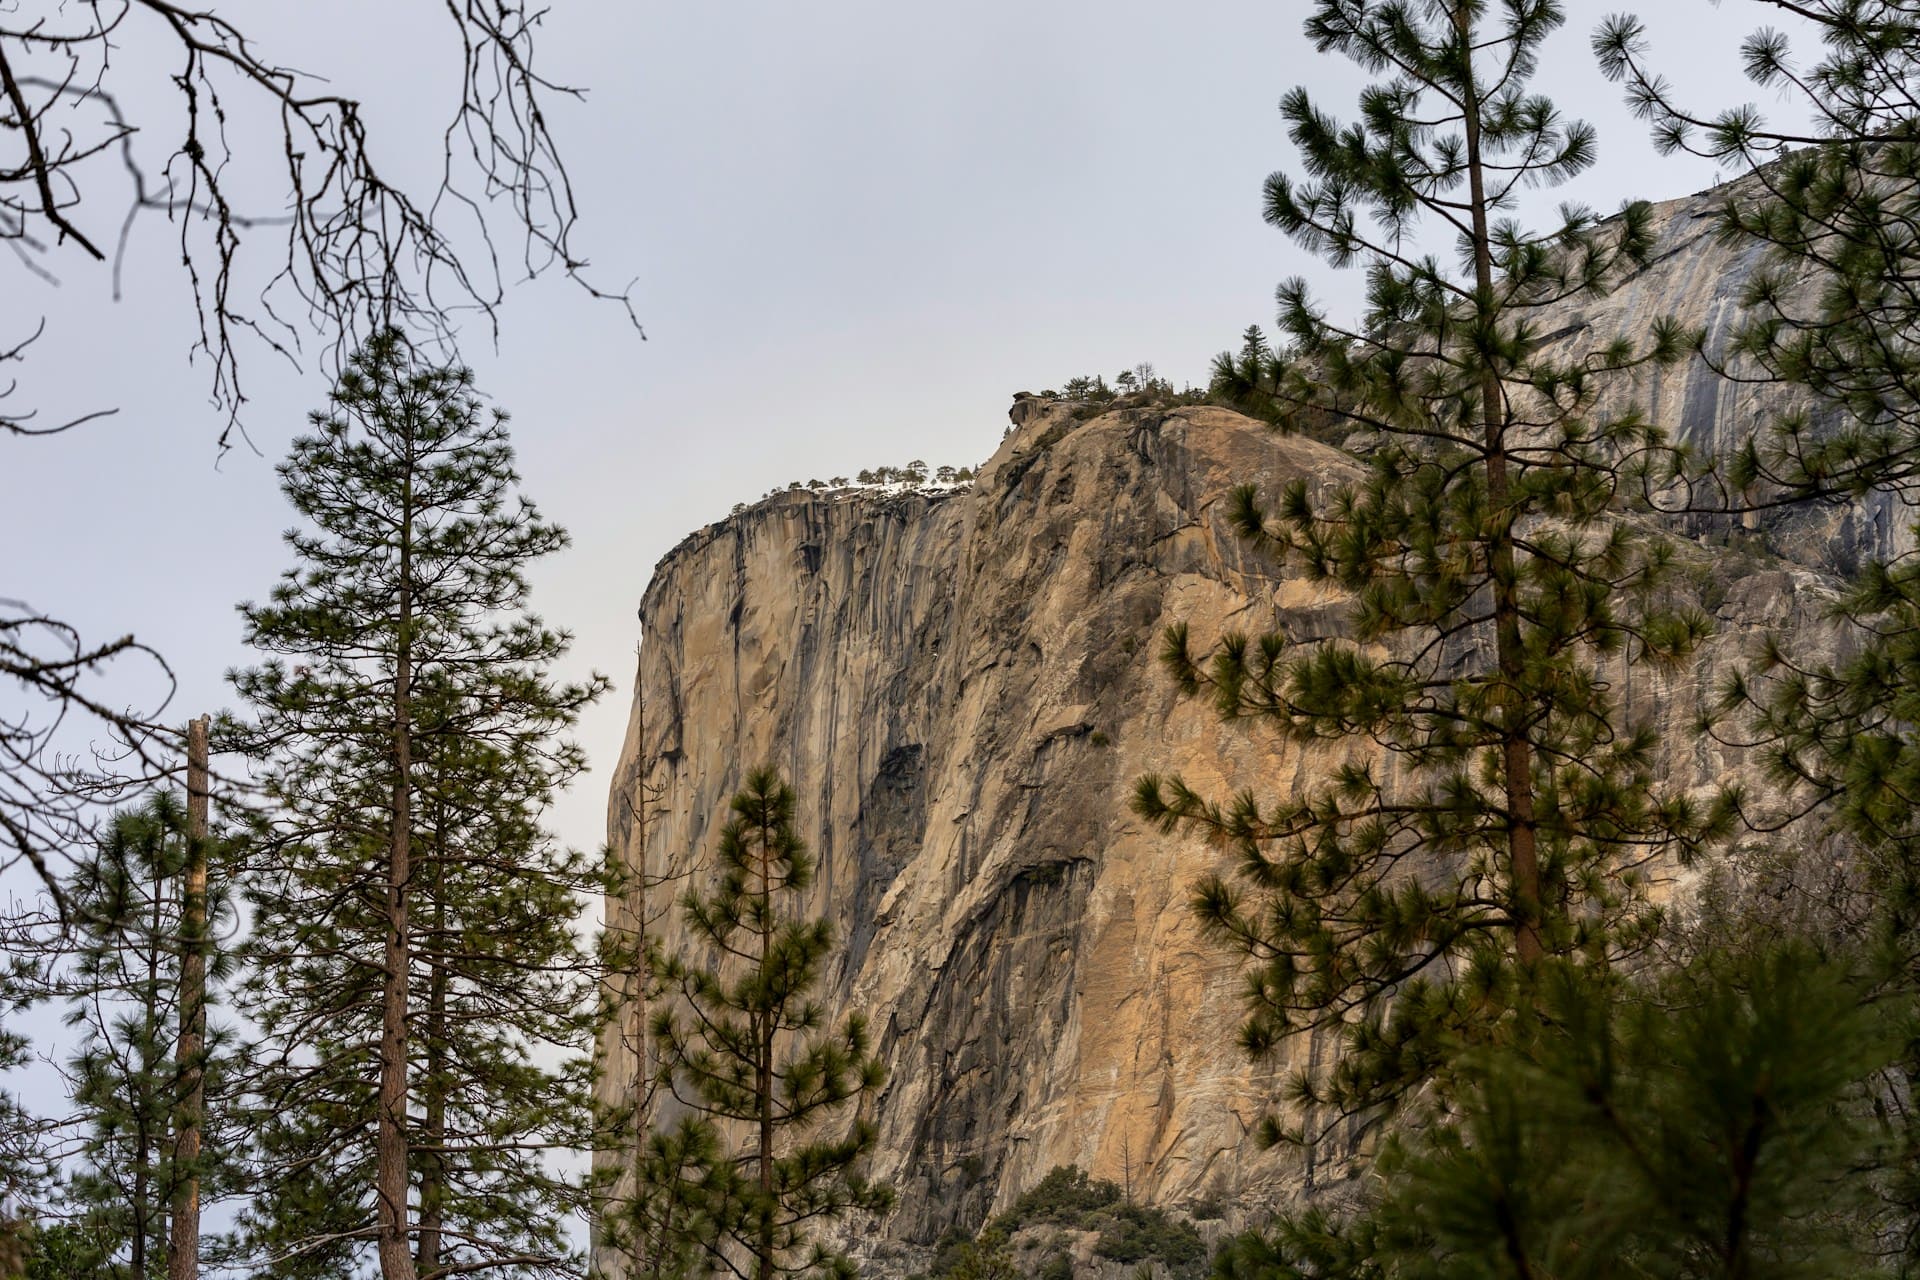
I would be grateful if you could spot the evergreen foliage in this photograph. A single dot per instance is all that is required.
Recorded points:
(1711, 1124)
(913, 477)
(985, 1258)
(1139, 385)
(746, 1047)
(1452, 900)
(1069, 1199)
(1834, 314)
(425, 1005)
(27, 1162)
(684, 1190)
(1066, 1196)
(1838, 737)
(1487, 804)
(69, 1251)
(1137, 1233)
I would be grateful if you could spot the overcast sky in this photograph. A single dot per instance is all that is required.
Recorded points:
(856, 229)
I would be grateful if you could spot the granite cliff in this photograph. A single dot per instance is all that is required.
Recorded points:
(962, 687)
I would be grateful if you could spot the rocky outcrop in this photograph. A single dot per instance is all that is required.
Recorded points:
(1698, 278)
(962, 688)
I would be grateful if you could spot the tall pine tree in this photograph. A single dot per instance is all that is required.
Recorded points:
(1486, 804)
(425, 1003)
(745, 1046)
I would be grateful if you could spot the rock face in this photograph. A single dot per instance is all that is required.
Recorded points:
(962, 688)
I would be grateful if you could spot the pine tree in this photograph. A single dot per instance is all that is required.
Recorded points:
(1485, 803)
(1833, 315)
(1837, 738)
(1711, 1123)
(121, 986)
(68, 1251)
(685, 1190)
(663, 1191)
(425, 1003)
(745, 1045)
(28, 1160)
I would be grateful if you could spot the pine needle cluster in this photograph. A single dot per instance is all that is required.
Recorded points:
(1833, 317)
(120, 980)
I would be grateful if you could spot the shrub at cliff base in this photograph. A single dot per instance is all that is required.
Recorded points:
(1070, 1201)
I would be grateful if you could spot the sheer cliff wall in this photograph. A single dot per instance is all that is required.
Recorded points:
(963, 686)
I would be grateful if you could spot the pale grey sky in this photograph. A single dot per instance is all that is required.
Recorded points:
(855, 228)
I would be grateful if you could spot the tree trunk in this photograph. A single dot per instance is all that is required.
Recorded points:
(763, 1078)
(433, 1175)
(763, 1074)
(137, 1262)
(146, 1099)
(1516, 748)
(142, 1170)
(390, 1150)
(433, 1179)
(183, 1241)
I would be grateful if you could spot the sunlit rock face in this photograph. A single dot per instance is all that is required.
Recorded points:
(962, 688)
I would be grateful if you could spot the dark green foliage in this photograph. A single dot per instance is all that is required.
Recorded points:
(1139, 386)
(1839, 739)
(28, 1162)
(1068, 1199)
(1309, 1245)
(1840, 733)
(1065, 1197)
(987, 1258)
(1703, 1131)
(1833, 313)
(1484, 800)
(777, 1137)
(684, 1190)
(404, 628)
(1135, 1233)
(947, 1250)
(72, 1251)
(1709, 1125)
(1249, 380)
(915, 475)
